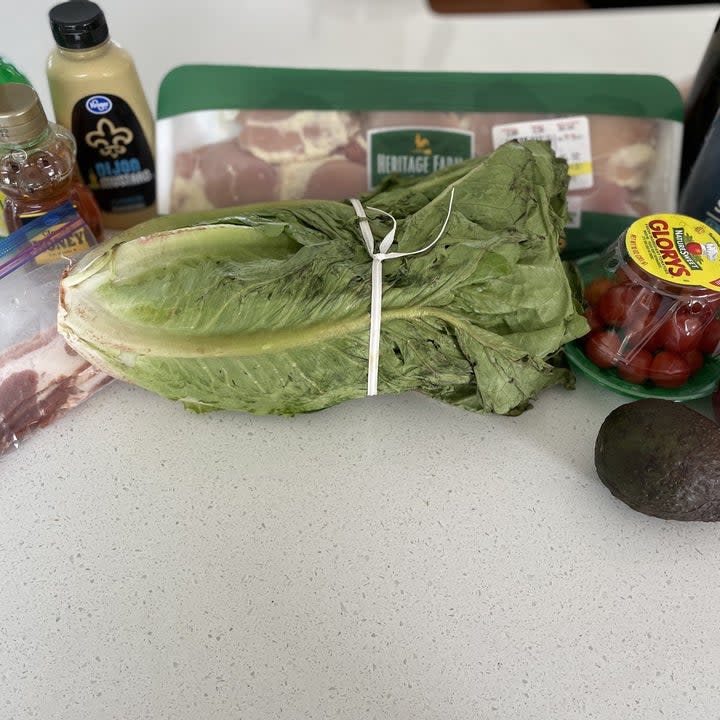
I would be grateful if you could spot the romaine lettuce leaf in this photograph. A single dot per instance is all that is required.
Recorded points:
(265, 308)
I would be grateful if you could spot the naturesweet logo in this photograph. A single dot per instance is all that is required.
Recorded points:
(699, 250)
(99, 104)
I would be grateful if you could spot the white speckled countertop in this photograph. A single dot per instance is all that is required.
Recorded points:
(160, 564)
(390, 557)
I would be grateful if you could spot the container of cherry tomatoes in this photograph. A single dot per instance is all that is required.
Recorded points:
(652, 302)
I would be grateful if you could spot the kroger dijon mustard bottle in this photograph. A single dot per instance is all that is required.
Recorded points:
(96, 93)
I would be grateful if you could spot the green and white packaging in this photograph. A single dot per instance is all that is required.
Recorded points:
(229, 135)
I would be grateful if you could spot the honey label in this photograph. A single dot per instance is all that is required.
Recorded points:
(45, 238)
(66, 239)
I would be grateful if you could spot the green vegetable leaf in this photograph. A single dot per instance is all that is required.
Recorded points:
(265, 308)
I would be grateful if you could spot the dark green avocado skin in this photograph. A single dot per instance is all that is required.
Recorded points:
(661, 458)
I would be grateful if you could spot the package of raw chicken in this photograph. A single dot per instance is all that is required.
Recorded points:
(230, 135)
(41, 377)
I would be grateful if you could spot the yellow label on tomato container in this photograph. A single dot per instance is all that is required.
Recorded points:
(677, 249)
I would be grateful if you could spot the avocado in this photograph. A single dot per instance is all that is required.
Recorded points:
(661, 458)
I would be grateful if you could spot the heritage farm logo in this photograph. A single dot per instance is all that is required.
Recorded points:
(413, 151)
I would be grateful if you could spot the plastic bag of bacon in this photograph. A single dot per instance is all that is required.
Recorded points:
(231, 135)
(41, 378)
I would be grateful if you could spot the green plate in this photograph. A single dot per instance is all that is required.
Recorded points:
(702, 384)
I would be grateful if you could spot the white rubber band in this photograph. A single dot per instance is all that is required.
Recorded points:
(376, 287)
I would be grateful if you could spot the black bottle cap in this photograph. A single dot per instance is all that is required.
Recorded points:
(78, 25)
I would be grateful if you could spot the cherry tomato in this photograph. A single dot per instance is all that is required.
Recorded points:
(641, 312)
(621, 275)
(638, 336)
(636, 368)
(642, 306)
(682, 330)
(710, 340)
(632, 273)
(603, 348)
(694, 359)
(596, 288)
(704, 308)
(669, 370)
(612, 305)
(642, 337)
(593, 318)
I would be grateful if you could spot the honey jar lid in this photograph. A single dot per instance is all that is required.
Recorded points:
(22, 117)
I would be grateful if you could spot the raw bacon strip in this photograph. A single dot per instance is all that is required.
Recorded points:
(40, 379)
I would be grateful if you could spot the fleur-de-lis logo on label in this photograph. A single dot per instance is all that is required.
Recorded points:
(110, 141)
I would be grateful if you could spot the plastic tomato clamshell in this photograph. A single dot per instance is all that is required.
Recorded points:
(652, 301)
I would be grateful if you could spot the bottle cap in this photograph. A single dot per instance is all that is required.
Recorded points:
(78, 25)
(22, 117)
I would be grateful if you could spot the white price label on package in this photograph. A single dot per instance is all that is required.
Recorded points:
(574, 207)
(569, 138)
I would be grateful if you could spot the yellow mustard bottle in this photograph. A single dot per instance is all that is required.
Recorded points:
(97, 94)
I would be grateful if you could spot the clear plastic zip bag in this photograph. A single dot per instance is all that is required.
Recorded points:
(41, 378)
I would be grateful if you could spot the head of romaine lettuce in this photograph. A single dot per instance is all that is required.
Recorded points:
(265, 308)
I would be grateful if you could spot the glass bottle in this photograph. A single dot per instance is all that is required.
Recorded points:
(38, 170)
(8, 73)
